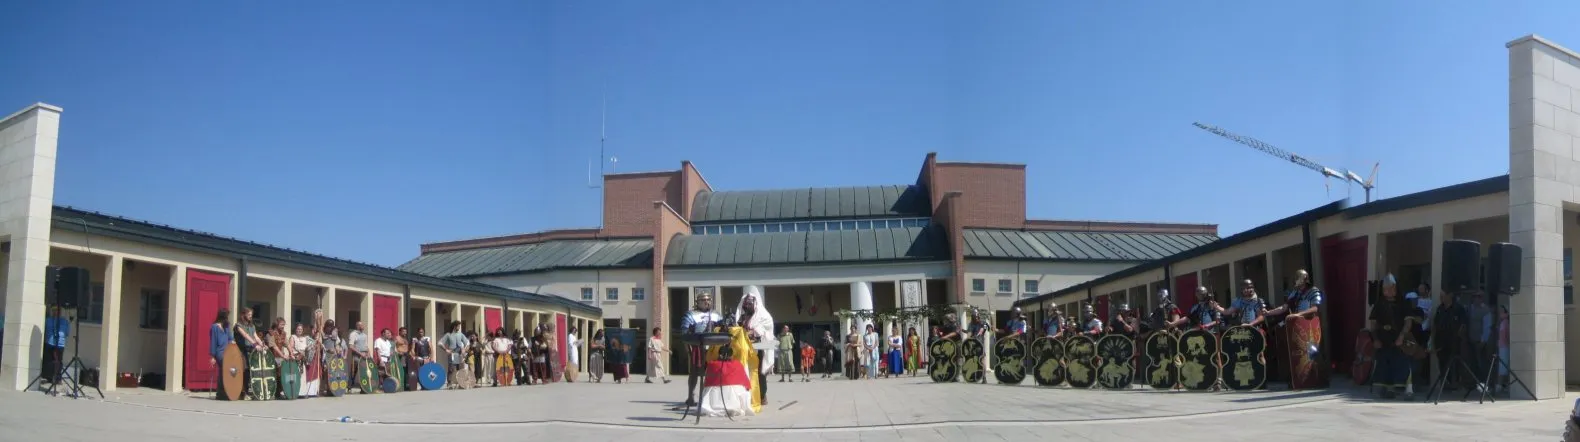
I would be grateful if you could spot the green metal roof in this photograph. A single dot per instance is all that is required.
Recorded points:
(551, 255)
(76, 220)
(790, 248)
(832, 202)
(1077, 246)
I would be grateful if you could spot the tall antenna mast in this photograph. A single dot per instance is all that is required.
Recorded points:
(603, 137)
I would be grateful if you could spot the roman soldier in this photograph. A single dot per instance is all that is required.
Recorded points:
(701, 319)
(1093, 325)
(1303, 332)
(1123, 322)
(1053, 322)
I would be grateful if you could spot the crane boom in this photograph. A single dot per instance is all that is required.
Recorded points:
(1366, 183)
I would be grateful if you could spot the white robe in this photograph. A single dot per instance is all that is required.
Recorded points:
(762, 323)
(729, 400)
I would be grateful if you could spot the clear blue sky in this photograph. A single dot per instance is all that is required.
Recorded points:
(361, 129)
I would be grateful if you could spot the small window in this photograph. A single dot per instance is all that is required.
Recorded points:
(848, 225)
(1031, 286)
(152, 313)
(727, 230)
(912, 223)
(94, 314)
(818, 227)
(638, 294)
(759, 228)
(921, 223)
(587, 293)
(773, 228)
(1006, 286)
(697, 230)
(713, 230)
(978, 285)
(611, 294)
(787, 227)
(864, 225)
(298, 316)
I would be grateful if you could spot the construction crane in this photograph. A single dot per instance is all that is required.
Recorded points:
(1366, 183)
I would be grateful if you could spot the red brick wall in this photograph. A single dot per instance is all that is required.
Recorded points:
(666, 226)
(691, 182)
(945, 214)
(994, 195)
(628, 201)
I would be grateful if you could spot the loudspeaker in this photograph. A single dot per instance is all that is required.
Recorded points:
(74, 285)
(1461, 265)
(1503, 268)
(51, 290)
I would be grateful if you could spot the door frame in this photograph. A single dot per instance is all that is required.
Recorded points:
(196, 372)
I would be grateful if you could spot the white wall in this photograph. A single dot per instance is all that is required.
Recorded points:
(27, 197)
(568, 284)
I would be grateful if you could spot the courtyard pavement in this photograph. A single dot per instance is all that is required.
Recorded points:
(888, 409)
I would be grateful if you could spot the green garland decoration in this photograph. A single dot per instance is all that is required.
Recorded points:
(905, 315)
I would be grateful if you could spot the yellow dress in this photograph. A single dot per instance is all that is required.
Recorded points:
(742, 346)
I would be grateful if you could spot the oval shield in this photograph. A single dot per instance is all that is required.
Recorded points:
(1245, 366)
(1080, 356)
(1115, 370)
(1199, 351)
(1162, 355)
(972, 367)
(1049, 353)
(943, 365)
(1010, 366)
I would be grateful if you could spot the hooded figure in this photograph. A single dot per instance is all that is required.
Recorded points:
(758, 323)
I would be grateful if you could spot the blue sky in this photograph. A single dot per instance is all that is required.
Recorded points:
(361, 129)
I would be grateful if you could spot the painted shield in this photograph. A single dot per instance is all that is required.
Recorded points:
(942, 367)
(339, 381)
(1049, 353)
(1162, 359)
(1244, 351)
(367, 376)
(1010, 366)
(1305, 344)
(232, 373)
(1080, 358)
(290, 379)
(431, 376)
(390, 385)
(1361, 369)
(1199, 353)
(263, 385)
(412, 382)
(397, 370)
(1115, 355)
(972, 368)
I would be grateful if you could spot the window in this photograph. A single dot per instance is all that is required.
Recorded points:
(352, 318)
(759, 228)
(713, 230)
(1031, 286)
(152, 313)
(698, 230)
(817, 227)
(912, 223)
(611, 294)
(260, 314)
(773, 228)
(1006, 286)
(803, 227)
(587, 294)
(638, 293)
(787, 227)
(727, 230)
(93, 313)
(298, 316)
(864, 225)
(848, 225)
(978, 285)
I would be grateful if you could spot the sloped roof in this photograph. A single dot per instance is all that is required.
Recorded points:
(790, 248)
(813, 203)
(67, 218)
(551, 255)
(1077, 246)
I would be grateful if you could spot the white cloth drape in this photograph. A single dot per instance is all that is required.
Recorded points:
(729, 400)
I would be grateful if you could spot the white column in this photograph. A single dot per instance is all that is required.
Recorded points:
(1440, 233)
(430, 319)
(27, 141)
(175, 338)
(861, 300)
(109, 354)
(326, 301)
(282, 302)
(1272, 282)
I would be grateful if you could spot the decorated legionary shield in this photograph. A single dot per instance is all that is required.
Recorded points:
(972, 367)
(1199, 351)
(1162, 359)
(1010, 366)
(943, 367)
(263, 383)
(1245, 366)
(1115, 369)
(339, 382)
(1080, 356)
(1049, 353)
(1361, 369)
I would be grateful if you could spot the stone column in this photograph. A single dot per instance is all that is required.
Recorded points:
(861, 300)
(327, 297)
(175, 340)
(1544, 121)
(109, 348)
(282, 302)
(27, 141)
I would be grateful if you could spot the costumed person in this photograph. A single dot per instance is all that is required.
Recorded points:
(573, 362)
(870, 352)
(852, 358)
(246, 336)
(1167, 316)
(913, 351)
(701, 319)
(1053, 322)
(1206, 314)
(753, 316)
(330, 346)
(302, 349)
(618, 356)
(1246, 309)
(1093, 325)
(728, 392)
(1304, 331)
(540, 357)
(361, 348)
(827, 354)
(504, 358)
(218, 338)
(384, 347)
(400, 366)
(280, 346)
(808, 356)
(896, 351)
(455, 344)
(784, 361)
(1122, 324)
(595, 354)
(1390, 322)
(657, 353)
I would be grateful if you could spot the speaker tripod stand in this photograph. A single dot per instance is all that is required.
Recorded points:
(64, 371)
(1455, 361)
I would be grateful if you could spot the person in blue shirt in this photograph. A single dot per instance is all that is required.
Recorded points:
(56, 327)
(1053, 322)
(1205, 314)
(219, 337)
(1017, 325)
(1246, 309)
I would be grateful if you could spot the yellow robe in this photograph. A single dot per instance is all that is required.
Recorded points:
(742, 346)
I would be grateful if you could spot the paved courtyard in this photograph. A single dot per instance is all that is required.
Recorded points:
(892, 409)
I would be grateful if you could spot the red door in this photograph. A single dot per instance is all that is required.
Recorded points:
(1100, 307)
(1344, 285)
(207, 293)
(493, 319)
(1185, 291)
(386, 314)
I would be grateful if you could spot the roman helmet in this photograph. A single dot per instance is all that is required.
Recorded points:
(1302, 277)
(704, 302)
(1163, 297)
(1124, 308)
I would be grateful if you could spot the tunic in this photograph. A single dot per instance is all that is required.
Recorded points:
(784, 362)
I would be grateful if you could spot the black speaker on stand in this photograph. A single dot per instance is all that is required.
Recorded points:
(1503, 278)
(66, 288)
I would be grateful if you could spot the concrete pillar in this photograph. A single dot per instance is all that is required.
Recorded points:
(861, 300)
(1440, 233)
(110, 326)
(1544, 122)
(283, 307)
(27, 141)
(175, 339)
(1272, 281)
(1234, 279)
(327, 302)
(430, 319)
